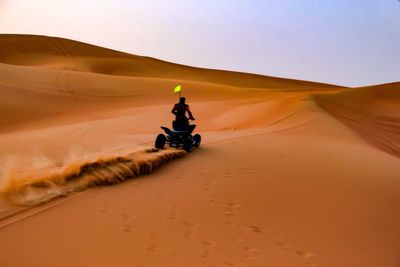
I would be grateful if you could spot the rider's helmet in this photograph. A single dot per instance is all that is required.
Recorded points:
(182, 100)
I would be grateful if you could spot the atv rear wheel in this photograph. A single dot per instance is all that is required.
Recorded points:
(188, 145)
(160, 141)
(196, 140)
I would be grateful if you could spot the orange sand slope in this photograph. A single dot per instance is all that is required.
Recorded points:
(68, 76)
(290, 173)
(372, 112)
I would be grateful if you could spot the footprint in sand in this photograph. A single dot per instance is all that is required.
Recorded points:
(230, 208)
(247, 170)
(216, 192)
(236, 206)
(309, 257)
(127, 223)
(229, 173)
(239, 240)
(153, 239)
(191, 224)
(104, 206)
(212, 174)
(228, 263)
(159, 196)
(249, 251)
(190, 229)
(208, 246)
(126, 228)
(171, 216)
(177, 256)
(283, 245)
(256, 229)
(212, 200)
(210, 184)
(205, 173)
(179, 176)
(206, 186)
(151, 248)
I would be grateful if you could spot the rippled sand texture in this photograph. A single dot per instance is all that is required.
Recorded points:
(290, 173)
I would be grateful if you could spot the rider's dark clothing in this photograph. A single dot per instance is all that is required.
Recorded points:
(181, 121)
(180, 110)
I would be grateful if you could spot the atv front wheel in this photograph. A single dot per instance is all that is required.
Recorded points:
(160, 141)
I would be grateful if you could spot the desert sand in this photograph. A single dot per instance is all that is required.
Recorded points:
(289, 173)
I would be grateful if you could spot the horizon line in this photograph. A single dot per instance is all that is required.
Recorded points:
(201, 67)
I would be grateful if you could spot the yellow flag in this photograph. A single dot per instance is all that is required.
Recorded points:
(178, 89)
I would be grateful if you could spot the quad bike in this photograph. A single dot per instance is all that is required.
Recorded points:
(179, 136)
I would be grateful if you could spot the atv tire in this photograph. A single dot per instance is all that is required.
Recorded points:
(160, 141)
(196, 140)
(188, 145)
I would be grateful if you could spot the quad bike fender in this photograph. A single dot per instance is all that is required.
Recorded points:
(166, 130)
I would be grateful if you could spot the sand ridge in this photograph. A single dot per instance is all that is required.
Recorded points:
(291, 173)
(372, 112)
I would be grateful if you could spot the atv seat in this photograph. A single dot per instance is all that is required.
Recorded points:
(179, 132)
(182, 126)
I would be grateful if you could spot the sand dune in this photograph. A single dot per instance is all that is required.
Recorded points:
(72, 77)
(372, 112)
(44, 51)
(291, 173)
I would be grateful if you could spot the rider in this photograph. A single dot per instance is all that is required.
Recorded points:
(179, 111)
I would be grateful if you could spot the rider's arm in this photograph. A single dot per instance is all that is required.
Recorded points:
(174, 111)
(190, 113)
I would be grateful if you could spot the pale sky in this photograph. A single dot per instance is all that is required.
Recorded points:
(347, 42)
